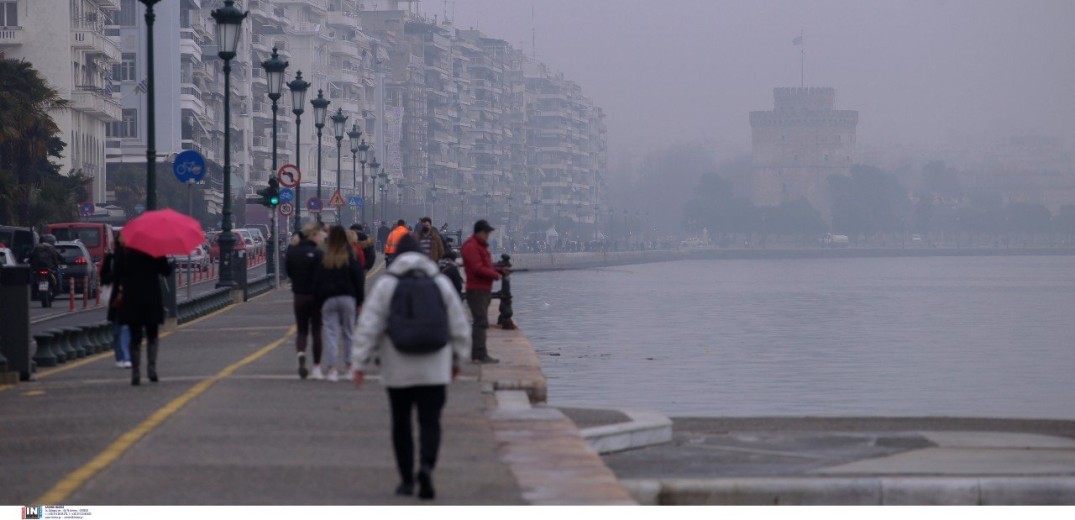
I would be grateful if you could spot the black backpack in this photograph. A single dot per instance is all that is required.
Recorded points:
(417, 318)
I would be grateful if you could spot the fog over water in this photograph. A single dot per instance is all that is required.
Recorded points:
(921, 73)
(943, 336)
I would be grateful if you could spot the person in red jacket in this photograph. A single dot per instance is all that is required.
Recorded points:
(478, 265)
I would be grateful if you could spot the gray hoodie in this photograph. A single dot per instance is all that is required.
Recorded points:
(371, 341)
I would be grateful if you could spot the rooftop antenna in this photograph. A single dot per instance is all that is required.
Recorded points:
(798, 42)
(533, 32)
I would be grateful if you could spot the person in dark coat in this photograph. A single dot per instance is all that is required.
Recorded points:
(141, 306)
(121, 334)
(302, 260)
(339, 290)
(369, 252)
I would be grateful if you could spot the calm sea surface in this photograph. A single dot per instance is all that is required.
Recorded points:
(972, 337)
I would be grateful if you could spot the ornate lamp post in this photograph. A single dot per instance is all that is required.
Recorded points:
(488, 198)
(298, 88)
(509, 231)
(151, 126)
(320, 111)
(363, 150)
(373, 168)
(399, 196)
(339, 122)
(228, 20)
(353, 135)
(384, 188)
(274, 69)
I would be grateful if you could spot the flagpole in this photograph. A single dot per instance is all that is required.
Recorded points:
(802, 60)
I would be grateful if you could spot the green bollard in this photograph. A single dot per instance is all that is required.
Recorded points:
(60, 346)
(74, 338)
(45, 356)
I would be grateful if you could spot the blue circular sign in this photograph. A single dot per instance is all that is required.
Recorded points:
(86, 208)
(314, 204)
(189, 166)
(287, 195)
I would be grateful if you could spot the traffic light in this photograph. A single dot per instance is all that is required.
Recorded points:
(270, 196)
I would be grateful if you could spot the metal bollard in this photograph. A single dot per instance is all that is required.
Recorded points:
(45, 356)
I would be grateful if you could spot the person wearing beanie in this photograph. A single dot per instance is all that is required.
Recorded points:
(478, 264)
(413, 381)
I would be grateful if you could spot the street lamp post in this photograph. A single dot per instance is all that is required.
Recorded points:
(363, 150)
(509, 231)
(151, 127)
(228, 20)
(338, 127)
(399, 196)
(353, 136)
(298, 88)
(488, 199)
(373, 168)
(274, 69)
(384, 189)
(320, 111)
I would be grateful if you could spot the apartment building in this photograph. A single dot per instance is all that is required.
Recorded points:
(66, 42)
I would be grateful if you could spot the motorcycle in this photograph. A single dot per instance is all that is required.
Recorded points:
(43, 287)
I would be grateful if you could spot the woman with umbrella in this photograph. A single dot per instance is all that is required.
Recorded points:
(150, 237)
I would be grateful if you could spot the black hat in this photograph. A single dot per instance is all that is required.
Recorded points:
(483, 225)
(408, 244)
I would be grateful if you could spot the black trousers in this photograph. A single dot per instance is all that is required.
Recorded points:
(429, 400)
(478, 301)
(151, 348)
(308, 319)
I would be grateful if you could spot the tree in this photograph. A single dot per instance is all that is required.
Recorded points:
(868, 202)
(33, 191)
(716, 208)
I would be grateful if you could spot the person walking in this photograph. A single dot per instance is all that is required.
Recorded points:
(429, 240)
(478, 265)
(382, 235)
(340, 288)
(302, 260)
(448, 267)
(392, 243)
(369, 253)
(141, 306)
(121, 334)
(414, 381)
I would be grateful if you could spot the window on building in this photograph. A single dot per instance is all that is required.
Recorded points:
(9, 14)
(127, 13)
(124, 70)
(128, 127)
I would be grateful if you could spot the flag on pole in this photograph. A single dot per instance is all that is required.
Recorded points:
(797, 41)
(142, 86)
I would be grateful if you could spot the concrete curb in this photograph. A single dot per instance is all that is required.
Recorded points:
(646, 428)
(856, 491)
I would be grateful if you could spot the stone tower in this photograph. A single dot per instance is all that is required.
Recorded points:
(798, 144)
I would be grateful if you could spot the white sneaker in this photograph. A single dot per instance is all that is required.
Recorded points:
(332, 376)
(316, 374)
(120, 364)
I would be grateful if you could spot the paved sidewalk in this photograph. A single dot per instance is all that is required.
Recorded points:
(230, 423)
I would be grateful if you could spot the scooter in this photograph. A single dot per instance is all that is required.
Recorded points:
(43, 286)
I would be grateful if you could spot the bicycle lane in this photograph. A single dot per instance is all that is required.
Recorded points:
(53, 428)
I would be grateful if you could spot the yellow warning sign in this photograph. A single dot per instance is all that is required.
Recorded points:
(336, 200)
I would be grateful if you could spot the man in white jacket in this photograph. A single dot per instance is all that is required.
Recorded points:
(413, 380)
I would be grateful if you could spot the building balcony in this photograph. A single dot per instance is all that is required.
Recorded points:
(12, 36)
(94, 41)
(349, 76)
(262, 145)
(96, 102)
(188, 44)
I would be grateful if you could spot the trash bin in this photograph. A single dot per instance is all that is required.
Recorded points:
(15, 342)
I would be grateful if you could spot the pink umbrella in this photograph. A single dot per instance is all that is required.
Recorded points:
(163, 232)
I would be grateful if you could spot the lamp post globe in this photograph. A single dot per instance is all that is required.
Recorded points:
(229, 20)
(320, 105)
(339, 127)
(298, 88)
(274, 70)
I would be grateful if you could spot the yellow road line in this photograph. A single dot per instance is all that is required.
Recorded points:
(59, 493)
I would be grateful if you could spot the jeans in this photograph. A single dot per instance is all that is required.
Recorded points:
(121, 341)
(429, 400)
(478, 301)
(338, 312)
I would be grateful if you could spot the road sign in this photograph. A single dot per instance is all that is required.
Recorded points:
(314, 204)
(289, 175)
(355, 200)
(189, 166)
(86, 209)
(139, 208)
(287, 195)
(287, 209)
(336, 200)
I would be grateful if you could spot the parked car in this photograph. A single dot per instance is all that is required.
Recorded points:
(259, 238)
(247, 238)
(77, 268)
(262, 229)
(20, 240)
(7, 258)
(198, 259)
(214, 246)
(96, 237)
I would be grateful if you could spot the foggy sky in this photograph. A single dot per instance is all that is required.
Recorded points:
(924, 74)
